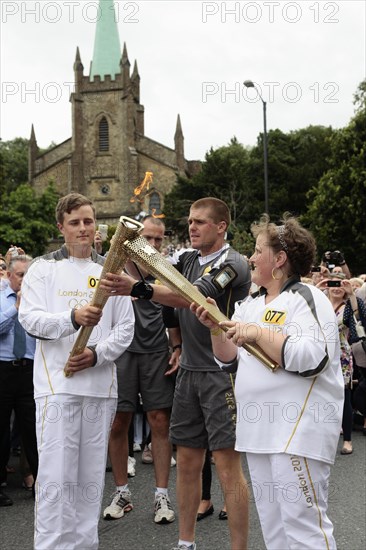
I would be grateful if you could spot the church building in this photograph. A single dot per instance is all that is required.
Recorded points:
(108, 154)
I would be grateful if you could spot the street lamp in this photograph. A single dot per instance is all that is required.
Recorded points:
(250, 84)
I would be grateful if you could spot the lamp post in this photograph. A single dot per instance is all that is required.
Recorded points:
(250, 84)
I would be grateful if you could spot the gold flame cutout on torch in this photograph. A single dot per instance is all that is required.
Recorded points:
(139, 189)
(139, 196)
(153, 210)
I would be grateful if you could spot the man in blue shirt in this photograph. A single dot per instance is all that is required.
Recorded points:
(16, 373)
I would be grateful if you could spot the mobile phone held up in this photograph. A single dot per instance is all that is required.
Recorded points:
(103, 229)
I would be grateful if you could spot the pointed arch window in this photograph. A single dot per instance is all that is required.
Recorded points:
(103, 135)
(154, 203)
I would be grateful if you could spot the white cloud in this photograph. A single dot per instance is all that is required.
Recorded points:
(311, 55)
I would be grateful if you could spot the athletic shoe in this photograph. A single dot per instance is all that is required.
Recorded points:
(163, 510)
(121, 503)
(147, 457)
(131, 472)
(173, 462)
(185, 547)
(137, 447)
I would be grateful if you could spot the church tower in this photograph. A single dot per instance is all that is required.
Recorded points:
(108, 153)
(104, 112)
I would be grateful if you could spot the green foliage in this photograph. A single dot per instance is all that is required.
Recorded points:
(359, 98)
(13, 164)
(225, 175)
(296, 161)
(235, 174)
(338, 204)
(28, 221)
(243, 242)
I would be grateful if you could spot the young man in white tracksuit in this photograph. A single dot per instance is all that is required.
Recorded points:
(73, 413)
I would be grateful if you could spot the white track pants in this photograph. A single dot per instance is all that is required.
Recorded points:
(291, 495)
(72, 436)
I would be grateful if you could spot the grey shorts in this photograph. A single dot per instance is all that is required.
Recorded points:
(144, 373)
(204, 410)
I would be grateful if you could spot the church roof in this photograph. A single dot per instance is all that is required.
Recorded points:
(107, 47)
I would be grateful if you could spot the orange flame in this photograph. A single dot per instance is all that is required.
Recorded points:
(145, 183)
(156, 215)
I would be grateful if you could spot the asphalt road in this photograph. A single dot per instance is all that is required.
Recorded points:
(137, 531)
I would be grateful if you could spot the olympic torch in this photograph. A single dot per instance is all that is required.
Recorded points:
(127, 244)
(115, 262)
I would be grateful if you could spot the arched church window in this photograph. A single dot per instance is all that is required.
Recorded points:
(154, 203)
(103, 135)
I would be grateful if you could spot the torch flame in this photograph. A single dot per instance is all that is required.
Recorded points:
(145, 183)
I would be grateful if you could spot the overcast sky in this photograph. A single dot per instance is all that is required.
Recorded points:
(307, 57)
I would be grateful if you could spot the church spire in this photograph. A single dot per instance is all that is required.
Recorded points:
(32, 154)
(179, 144)
(135, 81)
(107, 47)
(125, 68)
(78, 71)
(33, 135)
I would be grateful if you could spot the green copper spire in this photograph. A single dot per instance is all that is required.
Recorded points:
(107, 47)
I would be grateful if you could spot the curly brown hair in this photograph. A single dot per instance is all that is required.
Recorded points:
(298, 243)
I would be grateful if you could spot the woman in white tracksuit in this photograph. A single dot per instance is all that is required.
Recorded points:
(288, 422)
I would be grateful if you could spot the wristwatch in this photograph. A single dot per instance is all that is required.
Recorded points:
(142, 290)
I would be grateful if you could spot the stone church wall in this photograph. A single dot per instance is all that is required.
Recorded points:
(59, 174)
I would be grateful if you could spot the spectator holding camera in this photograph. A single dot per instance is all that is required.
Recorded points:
(12, 252)
(348, 309)
(334, 259)
(319, 273)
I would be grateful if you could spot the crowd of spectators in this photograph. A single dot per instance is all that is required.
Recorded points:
(347, 294)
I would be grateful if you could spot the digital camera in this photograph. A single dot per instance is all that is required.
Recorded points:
(333, 259)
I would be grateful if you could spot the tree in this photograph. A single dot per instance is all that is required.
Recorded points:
(14, 164)
(296, 161)
(235, 174)
(225, 175)
(336, 214)
(28, 221)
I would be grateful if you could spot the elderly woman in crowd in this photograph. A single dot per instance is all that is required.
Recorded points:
(288, 422)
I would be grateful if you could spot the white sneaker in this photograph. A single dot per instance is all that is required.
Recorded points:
(121, 503)
(147, 457)
(137, 447)
(131, 463)
(163, 510)
(173, 462)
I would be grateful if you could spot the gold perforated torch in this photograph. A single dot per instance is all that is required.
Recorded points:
(115, 262)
